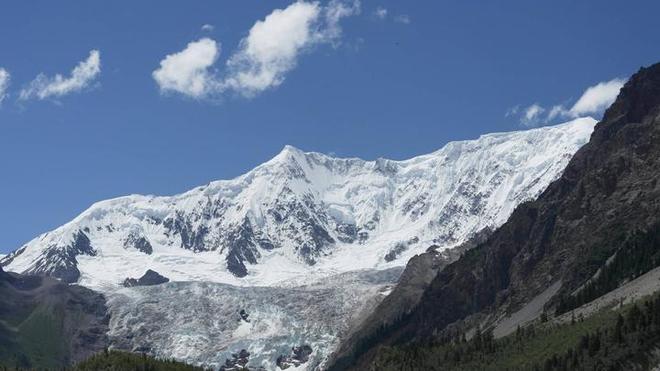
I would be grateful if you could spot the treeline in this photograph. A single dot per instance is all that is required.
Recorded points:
(628, 342)
(122, 361)
(609, 340)
(639, 254)
(116, 361)
(368, 341)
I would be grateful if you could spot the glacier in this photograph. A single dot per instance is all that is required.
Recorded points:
(302, 224)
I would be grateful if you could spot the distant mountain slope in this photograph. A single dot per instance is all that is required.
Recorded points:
(45, 323)
(307, 213)
(603, 212)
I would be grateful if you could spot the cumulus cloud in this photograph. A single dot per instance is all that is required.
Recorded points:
(380, 13)
(5, 78)
(187, 72)
(531, 115)
(263, 58)
(271, 48)
(82, 76)
(208, 27)
(593, 102)
(597, 98)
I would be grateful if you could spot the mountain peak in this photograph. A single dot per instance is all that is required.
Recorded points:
(287, 153)
(290, 149)
(306, 209)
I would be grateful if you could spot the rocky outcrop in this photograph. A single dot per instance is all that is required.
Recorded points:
(237, 362)
(298, 356)
(59, 261)
(149, 278)
(138, 242)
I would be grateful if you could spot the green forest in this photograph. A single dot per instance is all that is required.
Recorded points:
(608, 340)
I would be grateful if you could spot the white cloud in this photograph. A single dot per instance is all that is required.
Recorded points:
(269, 51)
(597, 98)
(208, 27)
(512, 111)
(5, 78)
(329, 29)
(402, 18)
(187, 72)
(380, 13)
(271, 48)
(82, 76)
(557, 111)
(593, 102)
(531, 115)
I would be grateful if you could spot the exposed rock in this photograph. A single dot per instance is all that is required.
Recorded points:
(138, 242)
(395, 251)
(244, 315)
(60, 261)
(149, 278)
(298, 356)
(238, 361)
(347, 233)
(242, 247)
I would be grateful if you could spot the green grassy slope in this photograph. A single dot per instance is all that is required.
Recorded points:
(45, 323)
(32, 337)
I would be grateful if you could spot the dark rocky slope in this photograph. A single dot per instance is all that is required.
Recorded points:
(418, 274)
(149, 278)
(45, 323)
(608, 194)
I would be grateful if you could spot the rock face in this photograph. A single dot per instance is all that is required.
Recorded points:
(608, 193)
(298, 356)
(136, 241)
(45, 323)
(149, 278)
(238, 361)
(59, 259)
(309, 212)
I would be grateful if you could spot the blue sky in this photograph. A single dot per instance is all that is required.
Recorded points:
(370, 79)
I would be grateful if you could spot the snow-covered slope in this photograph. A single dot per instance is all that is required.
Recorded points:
(307, 213)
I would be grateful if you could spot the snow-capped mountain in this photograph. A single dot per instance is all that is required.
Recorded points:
(304, 212)
(327, 237)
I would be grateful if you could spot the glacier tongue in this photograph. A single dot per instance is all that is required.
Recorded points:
(205, 323)
(303, 243)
